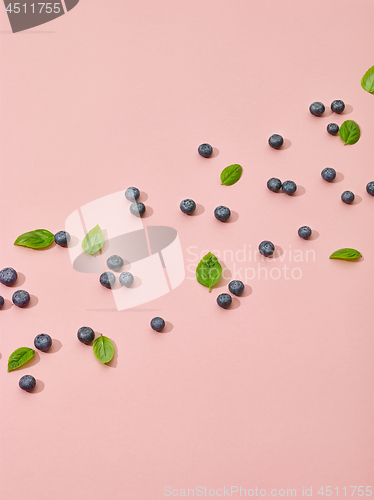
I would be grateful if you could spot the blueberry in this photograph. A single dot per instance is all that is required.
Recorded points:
(370, 188)
(21, 298)
(107, 279)
(274, 184)
(224, 300)
(348, 197)
(8, 276)
(266, 248)
(289, 187)
(43, 342)
(157, 324)
(205, 150)
(222, 213)
(305, 232)
(332, 128)
(137, 208)
(188, 206)
(27, 383)
(132, 194)
(1, 301)
(126, 279)
(62, 238)
(337, 106)
(114, 262)
(85, 335)
(328, 174)
(276, 141)
(236, 287)
(317, 108)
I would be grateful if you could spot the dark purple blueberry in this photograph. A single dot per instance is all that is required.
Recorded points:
(132, 193)
(370, 188)
(137, 208)
(276, 141)
(333, 128)
(274, 184)
(1, 301)
(85, 335)
(205, 150)
(289, 187)
(224, 300)
(317, 108)
(43, 342)
(304, 232)
(187, 206)
(126, 279)
(27, 383)
(328, 174)
(8, 276)
(62, 238)
(107, 279)
(21, 298)
(236, 287)
(114, 262)
(157, 324)
(222, 213)
(266, 248)
(337, 106)
(348, 197)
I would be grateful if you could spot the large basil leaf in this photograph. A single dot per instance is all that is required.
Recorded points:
(40, 238)
(103, 349)
(93, 241)
(231, 174)
(19, 357)
(349, 132)
(346, 254)
(208, 271)
(367, 81)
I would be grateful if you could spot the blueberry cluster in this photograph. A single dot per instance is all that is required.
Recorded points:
(221, 213)
(236, 287)
(20, 298)
(275, 185)
(137, 208)
(318, 108)
(108, 279)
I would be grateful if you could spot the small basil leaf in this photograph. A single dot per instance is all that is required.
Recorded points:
(19, 357)
(346, 254)
(231, 174)
(349, 132)
(93, 241)
(208, 271)
(103, 349)
(40, 238)
(367, 81)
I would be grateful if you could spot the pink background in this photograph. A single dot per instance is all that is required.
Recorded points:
(278, 391)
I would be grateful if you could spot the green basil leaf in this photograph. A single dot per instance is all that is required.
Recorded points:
(19, 357)
(231, 174)
(208, 271)
(103, 349)
(349, 132)
(93, 241)
(40, 238)
(346, 254)
(367, 81)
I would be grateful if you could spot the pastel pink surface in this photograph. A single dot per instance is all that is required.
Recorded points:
(275, 393)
